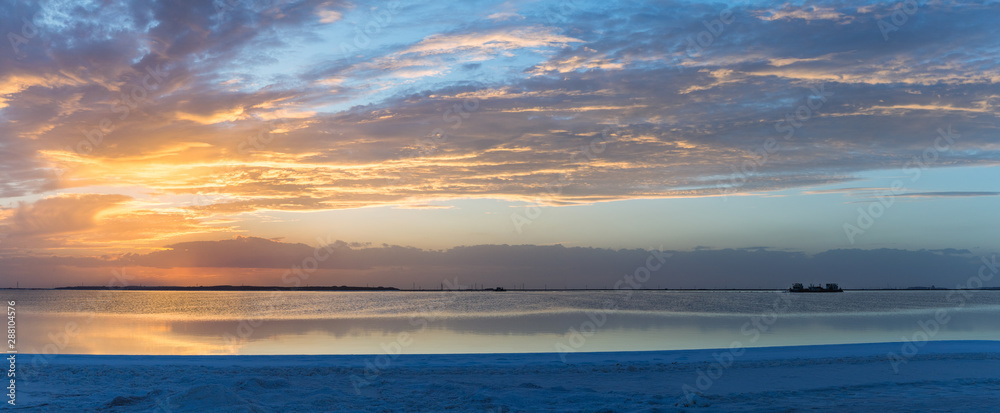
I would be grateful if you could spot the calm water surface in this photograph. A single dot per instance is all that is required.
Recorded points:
(164, 322)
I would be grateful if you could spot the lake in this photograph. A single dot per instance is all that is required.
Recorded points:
(210, 323)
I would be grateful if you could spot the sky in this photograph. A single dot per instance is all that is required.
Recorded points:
(498, 142)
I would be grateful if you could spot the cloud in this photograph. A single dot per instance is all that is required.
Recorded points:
(504, 16)
(271, 262)
(329, 16)
(212, 118)
(61, 214)
(516, 98)
(95, 222)
(577, 63)
(437, 53)
(949, 194)
(789, 12)
(881, 192)
(491, 41)
(239, 252)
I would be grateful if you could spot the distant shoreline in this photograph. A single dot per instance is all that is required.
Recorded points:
(381, 288)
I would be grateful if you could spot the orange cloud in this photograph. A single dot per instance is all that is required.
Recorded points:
(61, 214)
(96, 222)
